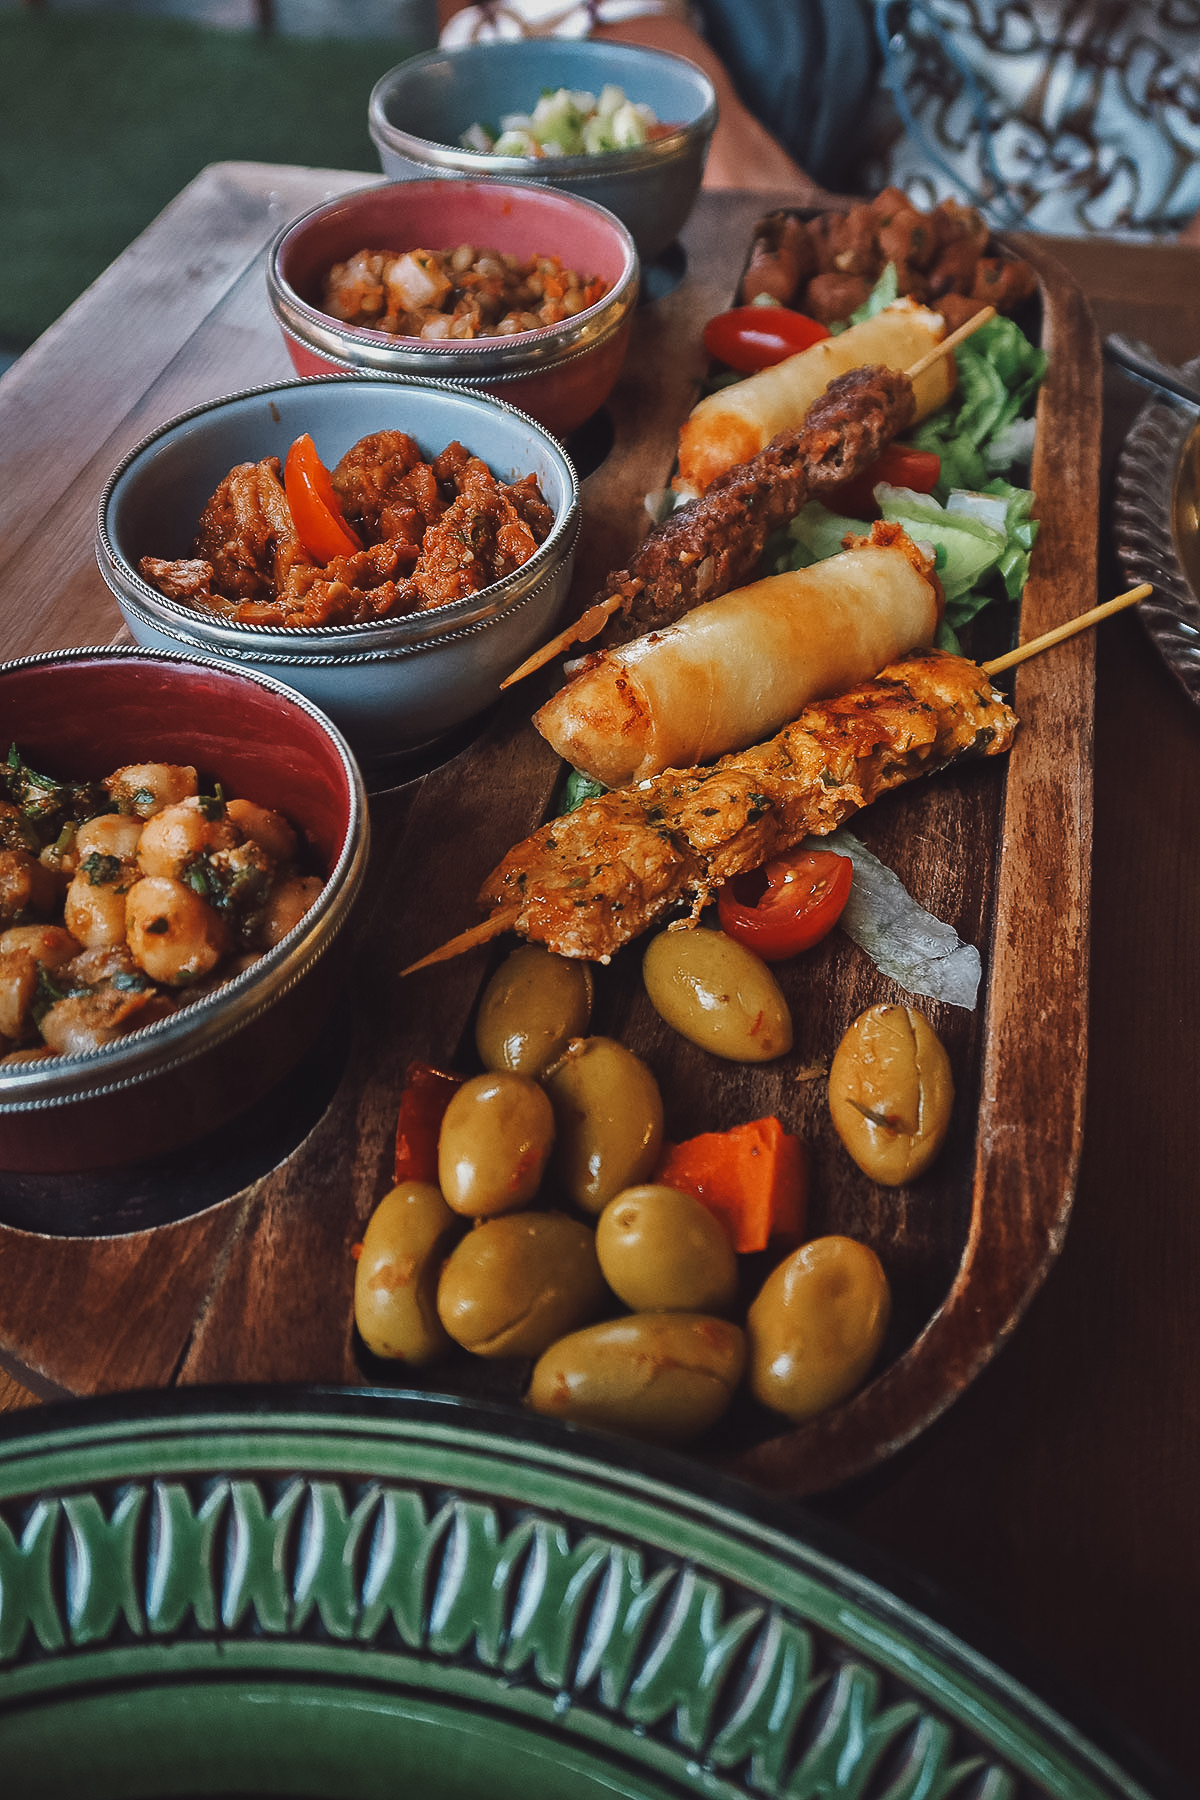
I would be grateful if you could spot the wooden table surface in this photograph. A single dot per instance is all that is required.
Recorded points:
(1057, 1496)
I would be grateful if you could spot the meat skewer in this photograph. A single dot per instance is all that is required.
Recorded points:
(588, 882)
(716, 543)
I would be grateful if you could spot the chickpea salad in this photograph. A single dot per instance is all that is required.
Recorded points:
(122, 900)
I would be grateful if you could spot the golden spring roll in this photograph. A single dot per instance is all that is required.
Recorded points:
(735, 670)
(738, 421)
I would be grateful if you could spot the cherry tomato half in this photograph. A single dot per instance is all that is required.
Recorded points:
(314, 506)
(750, 338)
(900, 464)
(788, 905)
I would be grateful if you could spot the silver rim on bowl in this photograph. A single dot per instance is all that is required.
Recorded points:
(522, 353)
(195, 1030)
(444, 624)
(456, 160)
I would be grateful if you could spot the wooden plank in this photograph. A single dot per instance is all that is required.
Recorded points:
(279, 1308)
(61, 400)
(93, 1315)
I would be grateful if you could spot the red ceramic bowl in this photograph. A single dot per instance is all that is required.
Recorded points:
(558, 374)
(86, 712)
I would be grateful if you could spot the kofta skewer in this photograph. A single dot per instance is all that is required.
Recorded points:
(716, 542)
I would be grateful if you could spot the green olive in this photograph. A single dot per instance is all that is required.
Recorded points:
(816, 1326)
(891, 1093)
(718, 994)
(663, 1251)
(395, 1283)
(514, 1285)
(532, 1007)
(665, 1377)
(608, 1118)
(496, 1136)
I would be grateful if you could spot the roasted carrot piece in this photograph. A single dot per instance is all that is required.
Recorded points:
(427, 1093)
(754, 1177)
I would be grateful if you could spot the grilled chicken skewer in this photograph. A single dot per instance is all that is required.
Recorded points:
(588, 882)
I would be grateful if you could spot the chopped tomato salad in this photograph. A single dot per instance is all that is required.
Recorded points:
(788, 905)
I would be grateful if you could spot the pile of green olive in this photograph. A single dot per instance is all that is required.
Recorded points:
(478, 1260)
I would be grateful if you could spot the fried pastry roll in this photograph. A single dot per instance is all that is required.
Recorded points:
(734, 670)
(735, 423)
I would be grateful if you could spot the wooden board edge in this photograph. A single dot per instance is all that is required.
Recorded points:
(1024, 1181)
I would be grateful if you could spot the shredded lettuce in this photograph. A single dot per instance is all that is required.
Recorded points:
(908, 944)
(981, 548)
(577, 788)
(975, 433)
(886, 289)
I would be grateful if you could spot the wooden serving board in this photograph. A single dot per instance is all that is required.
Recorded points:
(256, 1285)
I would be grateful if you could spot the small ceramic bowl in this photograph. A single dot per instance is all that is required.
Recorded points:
(419, 111)
(394, 684)
(84, 713)
(559, 374)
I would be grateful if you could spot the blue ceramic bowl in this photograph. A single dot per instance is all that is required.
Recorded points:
(391, 685)
(419, 111)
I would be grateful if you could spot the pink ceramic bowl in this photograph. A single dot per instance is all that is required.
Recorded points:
(558, 374)
(84, 713)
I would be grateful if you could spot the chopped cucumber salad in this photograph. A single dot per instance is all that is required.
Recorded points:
(567, 123)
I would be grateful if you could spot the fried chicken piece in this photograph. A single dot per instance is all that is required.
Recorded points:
(781, 259)
(246, 533)
(480, 538)
(387, 490)
(589, 882)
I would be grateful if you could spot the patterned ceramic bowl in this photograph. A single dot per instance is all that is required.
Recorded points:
(340, 1595)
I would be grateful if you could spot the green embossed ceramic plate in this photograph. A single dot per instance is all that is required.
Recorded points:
(356, 1596)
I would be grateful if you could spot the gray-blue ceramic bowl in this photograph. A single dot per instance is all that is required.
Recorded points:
(390, 685)
(419, 111)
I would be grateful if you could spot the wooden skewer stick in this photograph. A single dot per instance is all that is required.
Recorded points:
(593, 621)
(585, 627)
(467, 940)
(1061, 632)
(952, 342)
(500, 921)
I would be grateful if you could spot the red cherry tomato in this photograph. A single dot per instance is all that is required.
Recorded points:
(315, 510)
(900, 465)
(750, 338)
(788, 905)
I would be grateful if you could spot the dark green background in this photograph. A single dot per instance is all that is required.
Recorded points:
(104, 118)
